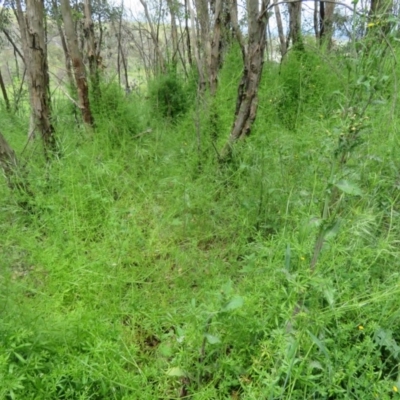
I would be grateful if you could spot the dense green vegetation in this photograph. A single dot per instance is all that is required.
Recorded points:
(146, 269)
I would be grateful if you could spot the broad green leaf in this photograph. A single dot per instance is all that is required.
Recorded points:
(176, 371)
(348, 188)
(212, 339)
(235, 303)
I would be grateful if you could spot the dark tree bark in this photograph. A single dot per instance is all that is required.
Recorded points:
(77, 63)
(4, 92)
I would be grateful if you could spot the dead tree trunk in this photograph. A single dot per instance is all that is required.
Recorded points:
(253, 59)
(77, 63)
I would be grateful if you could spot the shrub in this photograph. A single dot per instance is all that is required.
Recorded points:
(168, 95)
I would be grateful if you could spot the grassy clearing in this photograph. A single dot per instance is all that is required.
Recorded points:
(150, 271)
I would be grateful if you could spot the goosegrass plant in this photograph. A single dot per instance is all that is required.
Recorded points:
(140, 276)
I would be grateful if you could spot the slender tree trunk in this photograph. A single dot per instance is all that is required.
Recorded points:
(26, 58)
(253, 55)
(315, 21)
(160, 64)
(174, 31)
(216, 48)
(67, 57)
(88, 32)
(196, 51)
(280, 28)
(4, 92)
(77, 63)
(187, 30)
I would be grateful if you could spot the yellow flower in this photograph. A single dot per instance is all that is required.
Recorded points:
(360, 328)
(302, 258)
(395, 389)
(370, 25)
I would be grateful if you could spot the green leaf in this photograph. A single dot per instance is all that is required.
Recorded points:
(176, 371)
(235, 303)
(212, 339)
(348, 188)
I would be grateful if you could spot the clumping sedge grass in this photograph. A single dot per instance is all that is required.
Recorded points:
(146, 269)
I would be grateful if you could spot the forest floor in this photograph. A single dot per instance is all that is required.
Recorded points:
(146, 269)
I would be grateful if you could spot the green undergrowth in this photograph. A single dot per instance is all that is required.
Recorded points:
(145, 269)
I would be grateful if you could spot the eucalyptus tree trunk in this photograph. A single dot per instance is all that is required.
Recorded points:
(35, 55)
(253, 60)
(77, 63)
